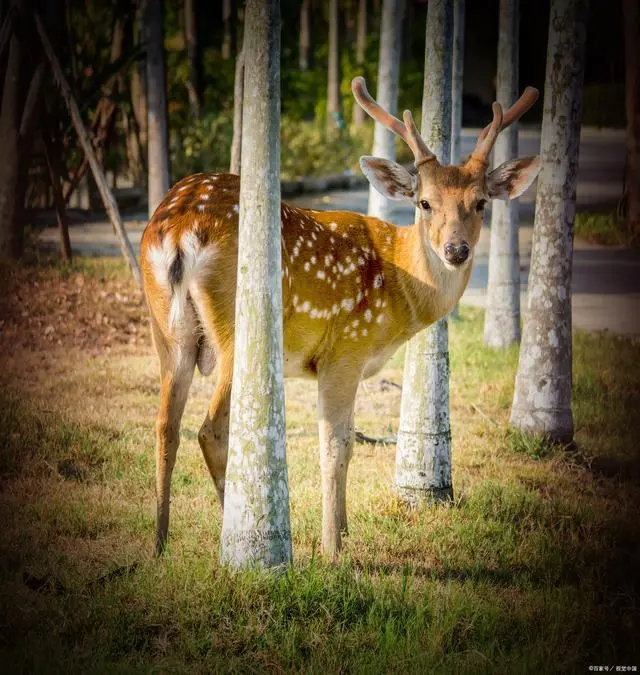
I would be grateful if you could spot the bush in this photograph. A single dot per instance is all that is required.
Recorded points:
(603, 106)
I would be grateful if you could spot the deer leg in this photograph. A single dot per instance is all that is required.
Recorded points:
(177, 368)
(335, 420)
(214, 432)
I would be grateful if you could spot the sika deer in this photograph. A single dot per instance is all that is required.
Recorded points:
(354, 289)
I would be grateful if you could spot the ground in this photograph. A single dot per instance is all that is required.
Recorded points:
(533, 568)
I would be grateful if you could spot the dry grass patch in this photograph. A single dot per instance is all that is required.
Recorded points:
(533, 568)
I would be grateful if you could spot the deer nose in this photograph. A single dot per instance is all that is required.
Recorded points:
(456, 254)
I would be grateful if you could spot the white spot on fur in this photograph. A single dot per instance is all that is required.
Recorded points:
(368, 316)
(380, 318)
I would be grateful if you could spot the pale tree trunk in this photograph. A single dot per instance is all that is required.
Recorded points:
(502, 318)
(361, 52)
(305, 36)
(157, 132)
(384, 141)
(238, 96)
(457, 90)
(107, 197)
(333, 79)
(457, 79)
(191, 35)
(423, 456)
(632, 66)
(255, 526)
(542, 398)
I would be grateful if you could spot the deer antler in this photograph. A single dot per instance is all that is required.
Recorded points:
(501, 121)
(407, 131)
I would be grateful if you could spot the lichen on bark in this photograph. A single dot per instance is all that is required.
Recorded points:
(256, 528)
(423, 456)
(542, 397)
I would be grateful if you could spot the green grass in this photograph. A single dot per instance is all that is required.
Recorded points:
(532, 569)
(602, 228)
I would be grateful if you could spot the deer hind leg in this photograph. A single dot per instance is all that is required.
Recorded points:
(214, 432)
(177, 363)
(336, 399)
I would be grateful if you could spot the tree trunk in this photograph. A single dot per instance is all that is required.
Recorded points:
(423, 456)
(384, 141)
(191, 35)
(76, 118)
(53, 166)
(333, 79)
(502, 318)
(305, 36)
(157, 133)
(542, 398)
(457, 79)
(10, 117)
(229, 38)
(255, 526)
(238, 95)
(361, 53)
(632, 66)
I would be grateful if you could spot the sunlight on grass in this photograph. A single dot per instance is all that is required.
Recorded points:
(533, 568)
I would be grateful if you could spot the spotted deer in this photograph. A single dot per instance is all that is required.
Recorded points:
(354, 289)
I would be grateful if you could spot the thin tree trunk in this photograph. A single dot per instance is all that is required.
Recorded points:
(333, 79)
(423, 456)
(191, 35)
(238, 95)
(632, 66)
(255, 527)
(384, 141)
(157, 133)
(305, 36)
(542, 398)
(107, 196)
(53, 167)
(457, 80)
(361, 53)
(502, 318)
(10, 118)
(228, 19)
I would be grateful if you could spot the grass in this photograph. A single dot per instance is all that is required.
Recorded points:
(532, 569)
(602, 228)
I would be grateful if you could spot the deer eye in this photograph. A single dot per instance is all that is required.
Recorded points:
(480, 205)
(425, 205)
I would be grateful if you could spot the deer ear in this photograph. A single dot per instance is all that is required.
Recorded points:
(512, 178)
(390, 179)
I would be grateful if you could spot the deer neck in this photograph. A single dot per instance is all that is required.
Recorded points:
(430, 288)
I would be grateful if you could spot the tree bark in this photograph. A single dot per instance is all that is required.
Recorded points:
(255, 527)
(423, 457)
(157, 132)
(502, 318)
(542, 398)
(632, 67)
(238, 96)
(457, 79)
(384, 141)
(191, 36)
(361, 53)
(76, 118)
(333, 79)
(305, 36)
(10, 118)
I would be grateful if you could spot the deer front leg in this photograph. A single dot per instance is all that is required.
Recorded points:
(336, 398)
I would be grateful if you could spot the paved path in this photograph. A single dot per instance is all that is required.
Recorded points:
(606, 280)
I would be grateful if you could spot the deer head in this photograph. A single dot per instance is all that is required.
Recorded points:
(450, 199)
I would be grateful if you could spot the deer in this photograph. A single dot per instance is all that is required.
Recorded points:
(354, 289)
